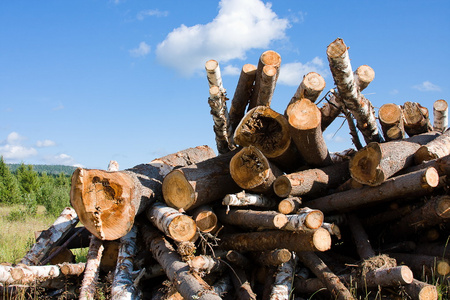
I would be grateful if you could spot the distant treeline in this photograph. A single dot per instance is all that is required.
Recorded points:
(49, 169)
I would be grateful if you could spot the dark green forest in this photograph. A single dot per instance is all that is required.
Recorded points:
(33, 185)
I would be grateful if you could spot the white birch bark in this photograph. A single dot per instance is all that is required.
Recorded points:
(88, 285)
(52, 236)
(247, 199)
(213, 74)
(219, 112)
(304, 218)
(440, 115)
(284, 279)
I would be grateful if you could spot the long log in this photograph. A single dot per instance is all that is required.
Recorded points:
(178, 272)
(252, 218)
(413, 184)
(305, 240)
(93, 258)
(376, 162)
(67, 220)
(213, 75)
(304, 122)
(311, 181)
(176, 225)
(422, 263)
(440, 115)
(321, 270)
(357, 104)
(272, 257)
(416, 118)
(330, 110)
(390, 116)
(269, 76)
(252, 171)
(107, 202)
(419, 290)
(197, 184)
(436, 148)
(219, 113)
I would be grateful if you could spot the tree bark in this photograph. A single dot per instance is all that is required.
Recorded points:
(252, 171)
(416, 118)
(391, 119)
(284, 279)
(107, 202)
(310, 88)
(189, 285)
(320, 269)
(242, 95)
(357, 104)
(330, 110)
(413, 184)
(272, 257)
(419, 290)
(206, 264)
(123, 284)
(376, 162)
(434, 149)
(241, 284)
(268, 58)
(360, 238)
(305, 240)
(304, 122)
(223, 286)
(238, 259)
(67, 220)
(303, 219)
(77, 232)
(440, 115)
(289, 205)
(220, 117)
(192, 186)
(311, 181)
(269, 76)
(214, 75)
(252, 218)
(171, 222)
(247, 199)
(88, 286)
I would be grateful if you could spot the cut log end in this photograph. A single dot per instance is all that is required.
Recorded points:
(365, 75)
(321, 239)
(206, 221)
(297, 111)
(249, 168)
(100, 198)
(211, 65)
(430, 178)
(282, 187)
(177, 190)
(424, 154)
(443, 207)
(364, 166)
(314, 219)
(406, 275)
(280, 220)
(336, 48)
(270, 57)
(182, 228)
(440, 105)
(390, 113)
(249, 69)
(289, 205)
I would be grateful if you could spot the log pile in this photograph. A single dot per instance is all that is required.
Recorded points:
(275, 215)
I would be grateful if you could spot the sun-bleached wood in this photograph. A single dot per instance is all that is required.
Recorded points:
(304, 123)
(375, 163)
(361, 108)
(252, 171)
(416, 184)
(67, 220)
(390, 116)
(197, 184)
(107, 202)
(440, 115)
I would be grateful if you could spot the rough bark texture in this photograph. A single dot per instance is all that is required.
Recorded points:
(304, 122)
(88, 286)
(390, 116)
(189, 285)
(51, 237)
(176, 225)
(360, 238)
(307, 240)
(376, 162)
(252, 218)
(358, 105)
(247, 199)
(330, 110)
(252, 171)
(311, 181)
(321, 270)
(440, 115)
(273, 257)
(436, 148)
(123, 284)
(269, 76)
(107, 202)
(416, 118)
(219, 113)
(189, 187)
(413, 184)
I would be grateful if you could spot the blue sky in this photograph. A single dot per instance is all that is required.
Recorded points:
(86, 82)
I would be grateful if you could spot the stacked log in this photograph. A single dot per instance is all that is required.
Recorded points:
(275, 213)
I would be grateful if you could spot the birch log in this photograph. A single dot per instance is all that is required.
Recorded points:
(440, 115)
(413, 184)
(303, 219)
(176, 225)
(437, 148)
(390, 116)
(363, 76)
(247, 199)
(189, 285)
(252, 218)
(93, 258)
(67, 220)
(357, 104)
(304, 122)
(376, 162)
(416, 118)
(192, 186)
(221, 121)
(284, 279)
(214, 75)
(252, 171)
(123, 286)
(107, 202)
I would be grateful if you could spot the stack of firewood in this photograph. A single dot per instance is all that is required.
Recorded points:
(275, 215)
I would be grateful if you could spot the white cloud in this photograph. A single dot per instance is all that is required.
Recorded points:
(141, 51)
(61, 159)
(292, 73)
(427, 86)
(238, 27)
(13, 138)
(45, 143)
(231, 70)
(151, 13)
